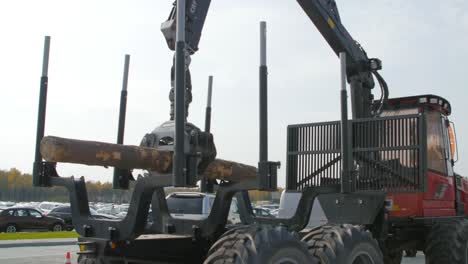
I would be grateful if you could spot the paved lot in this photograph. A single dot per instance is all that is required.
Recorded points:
(56, 255)
(37, 255)
(419, 259)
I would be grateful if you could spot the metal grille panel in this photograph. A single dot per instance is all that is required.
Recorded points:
(388, 154)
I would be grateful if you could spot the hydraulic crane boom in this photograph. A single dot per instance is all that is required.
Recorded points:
(324, 14)
(196, 12)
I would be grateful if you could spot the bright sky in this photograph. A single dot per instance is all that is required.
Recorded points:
(423, 46)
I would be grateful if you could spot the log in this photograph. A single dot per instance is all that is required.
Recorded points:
(56, 149)
(228, 170)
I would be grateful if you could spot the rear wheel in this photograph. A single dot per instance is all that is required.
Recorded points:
(10, 228)
(57, 227)
(343, 244)
(448, 242)
(259, 244)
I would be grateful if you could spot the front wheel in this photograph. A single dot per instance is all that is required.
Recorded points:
(259, 244)
(10, 228)
(448, 242)
(343, 244)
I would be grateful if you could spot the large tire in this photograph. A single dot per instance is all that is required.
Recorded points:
(11, 228)
(448, 242)
(259, 244)
(343, 244)
(85, 260)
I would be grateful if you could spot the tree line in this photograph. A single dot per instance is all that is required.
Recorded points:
(17, 187)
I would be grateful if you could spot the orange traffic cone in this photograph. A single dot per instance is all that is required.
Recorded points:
(68, 258)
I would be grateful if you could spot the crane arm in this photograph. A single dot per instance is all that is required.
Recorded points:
(324, 14)
(196, 12)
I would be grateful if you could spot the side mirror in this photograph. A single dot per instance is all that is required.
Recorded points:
(453, 142)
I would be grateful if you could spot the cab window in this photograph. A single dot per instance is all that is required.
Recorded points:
(436, 155)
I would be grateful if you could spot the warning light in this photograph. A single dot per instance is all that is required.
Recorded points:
(453, 141)
(113, 245)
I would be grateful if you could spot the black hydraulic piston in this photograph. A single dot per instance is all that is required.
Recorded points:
(179, 164)
(206, 185)
(208, 105)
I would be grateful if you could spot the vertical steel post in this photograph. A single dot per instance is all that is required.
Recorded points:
(207, 185)
(345, 147)
(263, 96)
(121, 181)
(41, 117)
(208, 105)
(179, 162)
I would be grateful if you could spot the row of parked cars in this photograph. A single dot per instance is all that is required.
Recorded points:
(57, 216)
(40, 216)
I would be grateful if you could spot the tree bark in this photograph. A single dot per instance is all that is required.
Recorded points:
(56, 149)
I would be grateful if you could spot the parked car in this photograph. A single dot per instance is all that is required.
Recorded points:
(48, 206)
(197, 206)
(5, 205)
(270, 206)
(258, 211)
(16, 219)
(64, 212)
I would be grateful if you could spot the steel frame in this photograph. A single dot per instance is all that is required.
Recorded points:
(149, 191)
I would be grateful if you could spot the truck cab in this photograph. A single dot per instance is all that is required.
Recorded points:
(393, 144)
(444, 192)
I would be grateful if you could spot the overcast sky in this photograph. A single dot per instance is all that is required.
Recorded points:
(423, 46)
